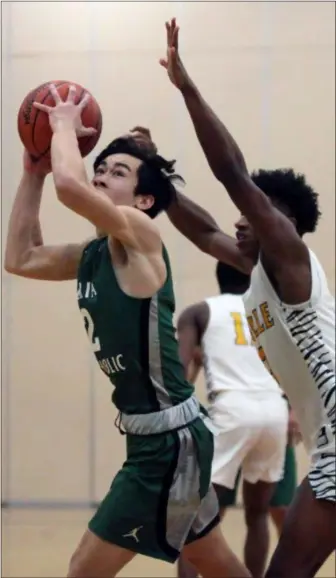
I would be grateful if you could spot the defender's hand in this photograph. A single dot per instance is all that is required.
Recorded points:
(143, 138)
(173, 63)
(66, 114)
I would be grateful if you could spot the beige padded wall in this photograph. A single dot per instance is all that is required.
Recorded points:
(267, 69)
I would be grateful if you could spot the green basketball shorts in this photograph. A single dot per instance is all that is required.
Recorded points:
(162, 498)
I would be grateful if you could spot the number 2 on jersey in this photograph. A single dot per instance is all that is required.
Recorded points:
(95, 343)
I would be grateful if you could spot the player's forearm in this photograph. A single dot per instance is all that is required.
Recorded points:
(24, 231)
(201, 229)
(192, 221)
(222, 152)
(74, 190)
(67, 164)
(186, 356)
(193, 371)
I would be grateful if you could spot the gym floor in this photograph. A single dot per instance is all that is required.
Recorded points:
(38, 543)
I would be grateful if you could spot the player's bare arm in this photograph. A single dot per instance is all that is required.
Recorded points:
(194, 222)
(191, 326)
(26, 255)
(282, 247)
(133, 229)
(202, 230)
(195, 366)
(72, 184)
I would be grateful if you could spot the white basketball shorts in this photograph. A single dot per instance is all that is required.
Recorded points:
(253, 437)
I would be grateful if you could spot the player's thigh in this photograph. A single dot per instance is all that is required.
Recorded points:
(206, 548)
(192, 507)
(129, 515)
(265, 460)
(230, 449)
(308, 536)
(213, 558)
(152, 501)
(96, 557)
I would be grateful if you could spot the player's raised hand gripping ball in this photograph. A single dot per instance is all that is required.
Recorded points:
(66, 114)
(33, 124)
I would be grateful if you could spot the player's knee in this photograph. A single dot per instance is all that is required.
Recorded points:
(185, 568)
(191, 558)
(197, 551)
(255, 513)
(278, 515)
(76, 566)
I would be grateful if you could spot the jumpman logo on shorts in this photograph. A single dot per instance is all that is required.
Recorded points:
(133, 534)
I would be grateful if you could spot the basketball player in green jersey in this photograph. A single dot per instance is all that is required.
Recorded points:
(161, 501)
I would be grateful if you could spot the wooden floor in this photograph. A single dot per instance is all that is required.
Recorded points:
(38, 544)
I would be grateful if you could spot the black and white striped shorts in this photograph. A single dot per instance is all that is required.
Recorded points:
(322, 477)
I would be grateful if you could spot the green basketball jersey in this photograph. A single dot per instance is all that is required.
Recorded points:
(133, 339)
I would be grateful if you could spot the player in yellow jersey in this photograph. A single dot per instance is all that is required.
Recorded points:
(245, 404)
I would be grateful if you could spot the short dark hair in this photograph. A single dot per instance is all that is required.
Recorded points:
(156, 175)
(229, 278)
(292, 193)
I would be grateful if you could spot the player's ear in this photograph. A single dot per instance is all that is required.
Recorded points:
(144, 202)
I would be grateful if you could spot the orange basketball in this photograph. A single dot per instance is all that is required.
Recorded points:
(33, 124)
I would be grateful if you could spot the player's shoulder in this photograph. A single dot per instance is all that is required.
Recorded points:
(196, 312)
(143, 227)
(138, 218)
